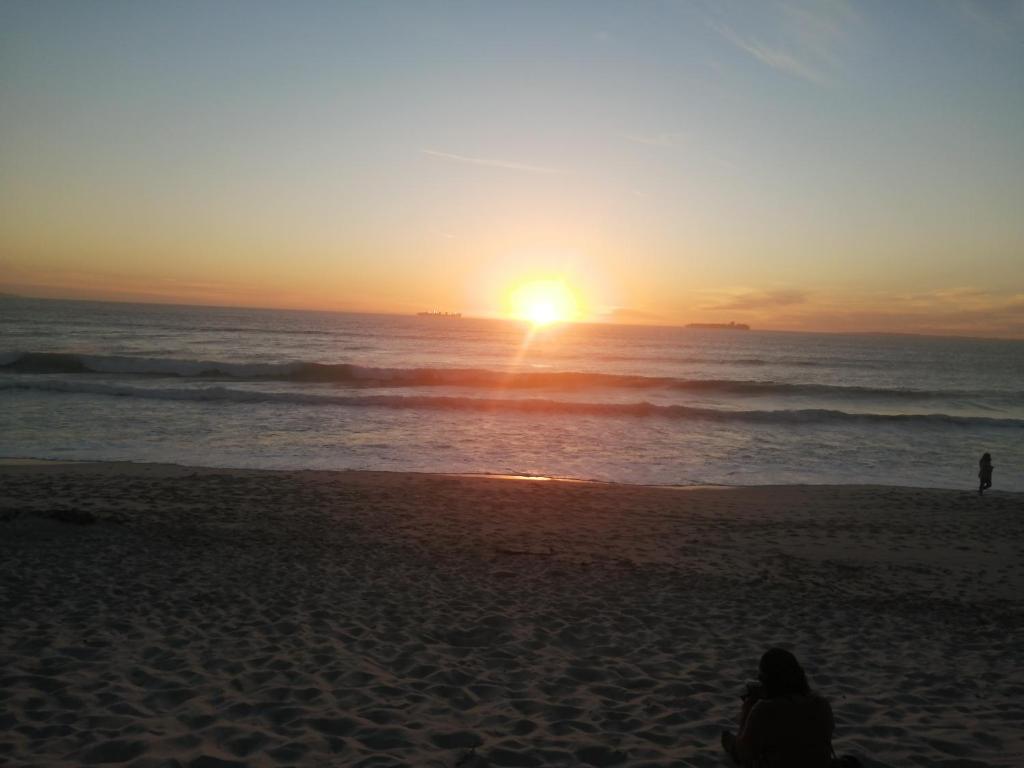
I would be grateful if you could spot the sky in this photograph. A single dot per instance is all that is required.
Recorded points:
(823, 166)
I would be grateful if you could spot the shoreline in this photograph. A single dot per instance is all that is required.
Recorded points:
(268, 618)
(23, 461)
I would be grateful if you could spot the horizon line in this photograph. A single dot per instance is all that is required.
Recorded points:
(413, 313)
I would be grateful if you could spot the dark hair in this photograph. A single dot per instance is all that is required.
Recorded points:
(986, 457)
(782, 674)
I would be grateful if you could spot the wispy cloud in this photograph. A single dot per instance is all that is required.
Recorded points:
(776, 58)
(799, 39)
(761, 299)
(997, 21)
(669, 139)
(491, 162)
(956, 312)
(628, 315)
(819, 27)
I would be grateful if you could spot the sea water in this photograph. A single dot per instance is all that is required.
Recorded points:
(280, 389)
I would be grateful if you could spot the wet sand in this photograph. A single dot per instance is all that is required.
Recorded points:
(222, 618)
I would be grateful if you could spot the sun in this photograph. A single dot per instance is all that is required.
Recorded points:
(543, 302)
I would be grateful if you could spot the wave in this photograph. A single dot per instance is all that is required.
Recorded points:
(640, 357)
(502, 405)
(356, 376)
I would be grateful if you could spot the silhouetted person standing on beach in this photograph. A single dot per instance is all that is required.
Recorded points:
(783, 724)
(984, 473)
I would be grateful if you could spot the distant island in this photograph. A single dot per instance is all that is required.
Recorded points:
(721, 326)
(439, 314)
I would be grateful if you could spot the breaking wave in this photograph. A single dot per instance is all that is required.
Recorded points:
(356, 376)
(227, 395)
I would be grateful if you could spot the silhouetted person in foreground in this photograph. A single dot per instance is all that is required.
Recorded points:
(984, 473)
(783, 724)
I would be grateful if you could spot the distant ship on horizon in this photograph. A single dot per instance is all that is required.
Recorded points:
(720, 326)
(439, 314)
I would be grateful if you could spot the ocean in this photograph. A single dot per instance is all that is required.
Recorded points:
(280, 389)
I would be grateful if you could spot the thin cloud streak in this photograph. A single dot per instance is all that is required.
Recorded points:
(820, 28)
(997, 21)
(761, 300)
(491, 162)
(964, 311)
(670, 139)
(629, 315)
(780, 60)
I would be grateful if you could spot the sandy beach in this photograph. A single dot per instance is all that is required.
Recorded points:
(226, 618)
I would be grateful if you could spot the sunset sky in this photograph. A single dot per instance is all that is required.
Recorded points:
(820, 166)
